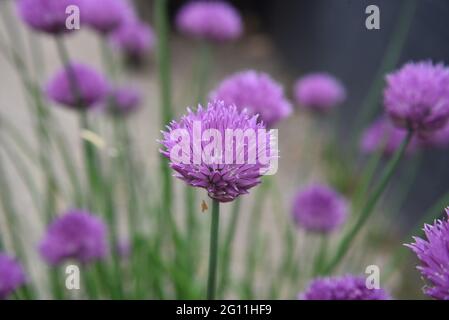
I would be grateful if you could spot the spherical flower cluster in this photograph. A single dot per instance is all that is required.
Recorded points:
(383, 136)
(258, 93)
(124, 100)
(319, 208)
(46, 15)
(417, 97)
(223, 179)
(319, 92)
(76, 234)
(11, 275)
(135, 38)
(209, 20)
(77, 86)
(106, 16)
(348, 287)
(434, 256)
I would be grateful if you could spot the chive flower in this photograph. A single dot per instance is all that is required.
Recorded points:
(124, 100)
(383, 136)
(106, 16)
(417, 97)
(76, 234)
(320, 92)
(348, 287)
(225, 170)
(134, 38)
(433, 252)
(258, 93)
(215, 21)
(12, 275)
(319, 208)
(47, 16)
(77, 86)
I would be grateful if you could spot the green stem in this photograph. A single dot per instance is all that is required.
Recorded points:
(370, 204)
(213, 250)
(163, 61)
(227, 250)
(321, 255)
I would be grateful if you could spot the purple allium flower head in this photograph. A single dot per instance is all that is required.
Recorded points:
(77, 79)
(417, 97)
(11, 275)
(106, 16)
(348, 287)
(46, 15)
(76, 234)
(434, 256)
(437, 139)
(124, 100)
(224, 179)
(257, 92)
(134, 38)
(319, 208)
(383, 134)
(319, 92)
(209, 20)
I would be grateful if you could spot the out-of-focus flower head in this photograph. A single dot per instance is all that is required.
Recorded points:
(124, 248)
(124, 100)
(433, 252)
(383, 135)
(209, 20)
(134, 38)
(258, 93)
(77, 86)
(319, 92)
(319, 208)
(224, 179)
(47, 15)
(348, 287)
(77, 234)
(106, 16)
(11, 275)
(438, 138)
(417, 97)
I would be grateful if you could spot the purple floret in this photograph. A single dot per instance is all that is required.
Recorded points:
(433, 252)
(209, 20)
(348, 287)
(319, 208)
(76, 234)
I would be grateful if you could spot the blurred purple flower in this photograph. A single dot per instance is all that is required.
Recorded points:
(135, 38)
(319, 92)
(348, 287)
(319, 208)
(106, 16)
(76, 234)
(80, 79)
(417, 97)
(223, 181)
(258, 93)
(124, 248)
(209, 20)
(438, 138)
(124, 100)
(11, 275)
(382, 134)
(434, 255)
(46, 15)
